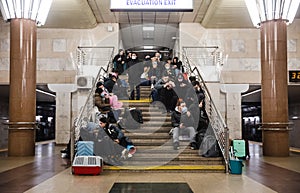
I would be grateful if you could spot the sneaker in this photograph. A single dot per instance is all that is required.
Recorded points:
(171, 132)
(124, 154)
(129, 155)
(176, 145)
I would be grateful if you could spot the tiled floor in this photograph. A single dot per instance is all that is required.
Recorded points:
(47, 172)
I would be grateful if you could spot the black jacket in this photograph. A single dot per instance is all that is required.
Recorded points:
(109, 85)
(175, 118)
(135, 69)
(111, 131)
(188, 121)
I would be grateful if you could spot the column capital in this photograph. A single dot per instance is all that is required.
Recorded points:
(62, 87)
(234, 88)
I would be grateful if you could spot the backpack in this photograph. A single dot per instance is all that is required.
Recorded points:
(132, 118)
(209, 147)
(137, 115)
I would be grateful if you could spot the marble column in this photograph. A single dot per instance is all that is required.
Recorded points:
(63, 118)
(22, 96)
(233, 108)
(274, 93)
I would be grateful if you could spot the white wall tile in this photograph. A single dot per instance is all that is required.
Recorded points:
(59, 45)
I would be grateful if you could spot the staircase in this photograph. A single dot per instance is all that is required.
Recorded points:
(155, 146)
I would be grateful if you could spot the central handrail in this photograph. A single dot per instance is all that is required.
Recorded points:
(217, 122)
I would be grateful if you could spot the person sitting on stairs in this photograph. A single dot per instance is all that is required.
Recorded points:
(120, 146)
(186, 126)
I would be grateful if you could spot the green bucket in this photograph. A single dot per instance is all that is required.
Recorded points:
(236, 166)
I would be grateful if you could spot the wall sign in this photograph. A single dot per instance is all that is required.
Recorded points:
(294, 76)
(151, 5)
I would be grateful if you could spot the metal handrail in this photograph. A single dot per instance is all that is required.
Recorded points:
(79, 120)
(218, 124)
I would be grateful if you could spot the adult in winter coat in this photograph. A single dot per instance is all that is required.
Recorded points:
(119, 61)
(115, 144)
(135, 69)
(186, 125)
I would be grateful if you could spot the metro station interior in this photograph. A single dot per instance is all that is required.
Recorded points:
(245, 68)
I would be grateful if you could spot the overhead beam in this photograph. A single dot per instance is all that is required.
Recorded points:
(212, 8)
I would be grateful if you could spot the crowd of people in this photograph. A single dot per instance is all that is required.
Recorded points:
(146, 71)
(178, 95)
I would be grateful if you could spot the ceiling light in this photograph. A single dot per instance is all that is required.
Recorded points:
(148, 28)
(266, 10)
(46, 93)
(36, 10)
(148, 47)
(252, 92)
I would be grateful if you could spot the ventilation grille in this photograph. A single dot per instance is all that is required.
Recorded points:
(87, 161)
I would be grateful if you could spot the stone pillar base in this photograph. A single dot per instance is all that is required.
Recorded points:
(276, 143)
(21, 142)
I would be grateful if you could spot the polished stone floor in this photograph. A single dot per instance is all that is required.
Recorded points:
(150, 187)
(48, 172)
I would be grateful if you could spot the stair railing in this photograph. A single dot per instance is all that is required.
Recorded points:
(217, 122)
(86, 112)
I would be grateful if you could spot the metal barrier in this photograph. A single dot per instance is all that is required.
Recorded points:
(216, 120)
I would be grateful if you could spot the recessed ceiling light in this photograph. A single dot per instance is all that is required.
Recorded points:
(148, 28)
(148, 47)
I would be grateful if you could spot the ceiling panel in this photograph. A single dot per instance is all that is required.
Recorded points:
(81, 14)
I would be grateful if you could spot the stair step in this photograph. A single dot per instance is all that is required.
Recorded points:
(150, 130)
(156, 124)
(175, 167)
(156, 115)
(141, 135)
(172, 158)
(157, 142)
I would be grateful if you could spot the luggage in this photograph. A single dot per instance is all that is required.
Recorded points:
(199, 139)
(91, 165)
(85, 148)
(239, 148)
(209, 147)
(136, 114)
(132, 118)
